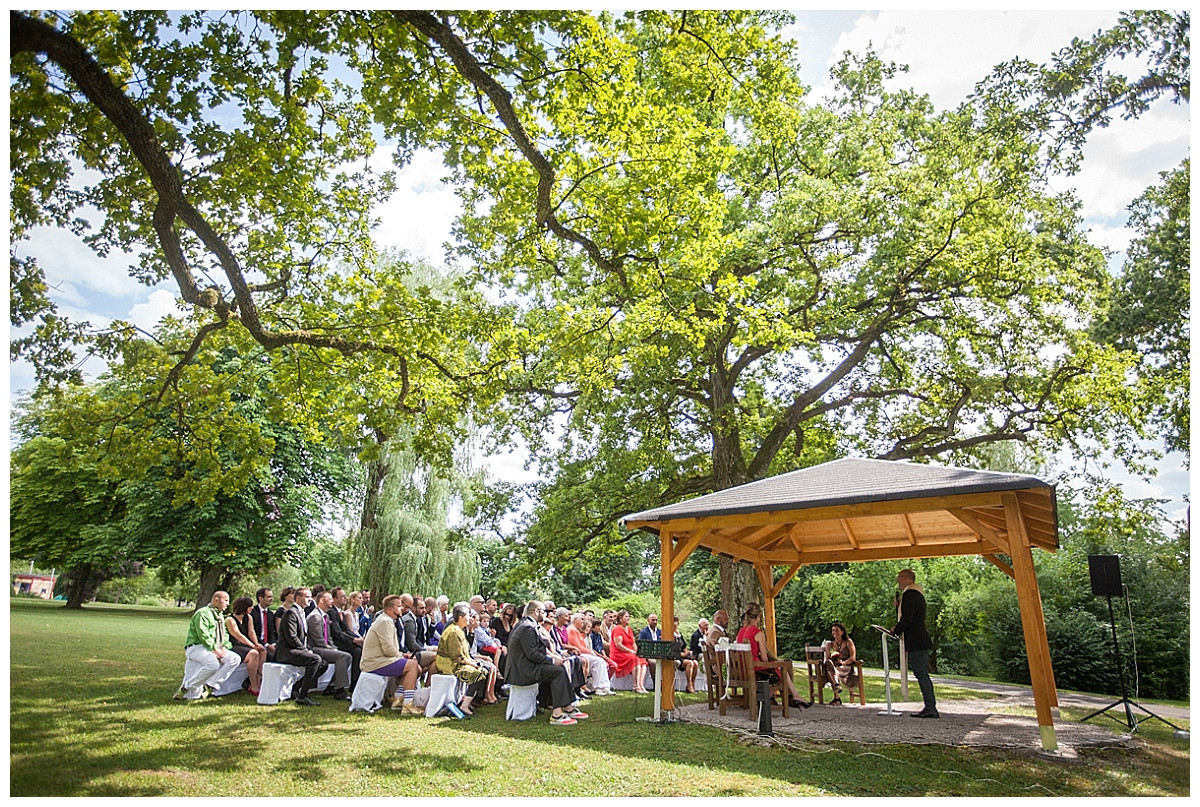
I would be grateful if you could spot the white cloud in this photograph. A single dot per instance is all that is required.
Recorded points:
(147, 315)
(949, 51)
(75, 271)
(419, 216)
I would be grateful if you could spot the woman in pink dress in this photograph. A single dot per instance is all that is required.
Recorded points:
(624, 653)
(753, 635)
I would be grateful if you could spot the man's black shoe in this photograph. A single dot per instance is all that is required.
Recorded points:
(341, 695)
(924, 713)
(306, 701)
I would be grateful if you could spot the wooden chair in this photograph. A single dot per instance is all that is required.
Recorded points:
(714, 675)
(743, 683)
(814, 658)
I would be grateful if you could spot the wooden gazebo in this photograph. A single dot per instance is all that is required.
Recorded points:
(862, 510)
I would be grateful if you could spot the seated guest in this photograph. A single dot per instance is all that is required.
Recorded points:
(350, 616)
(597, 639)
(753, 635)
(365, 612)
(488, 662)
(287, 598)
(698, 639)
(454, 658)
(317, 590)
(264, 621)
(343, 639)
(292, 647)
(528, 664)
(420, 626)
(720, 624)
(840, 657)
(207, 647)
(486, 642)
(687, 662)
(382, 656)
(504, 622)
(245, 642)
(607, 620)
(652, 632)
(579, 636)
(576, 665)
(624, 653)
(320, 641)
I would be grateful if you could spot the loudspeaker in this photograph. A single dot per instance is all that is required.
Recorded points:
(1106, 575)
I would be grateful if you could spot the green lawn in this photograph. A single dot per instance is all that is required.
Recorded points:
(92, 715)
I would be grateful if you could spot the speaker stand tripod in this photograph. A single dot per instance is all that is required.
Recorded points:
(1131, 721)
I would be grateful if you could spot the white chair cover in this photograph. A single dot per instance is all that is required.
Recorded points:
(522, 702)
(443, 689)
(368, 692)
(233, 683)
(277, 682)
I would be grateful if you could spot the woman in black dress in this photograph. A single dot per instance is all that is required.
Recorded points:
(245, 641)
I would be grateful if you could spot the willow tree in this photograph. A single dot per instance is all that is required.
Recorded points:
(406, 543)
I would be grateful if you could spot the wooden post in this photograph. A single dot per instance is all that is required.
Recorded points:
(1037, 646)
(766, 580)
(667, 617)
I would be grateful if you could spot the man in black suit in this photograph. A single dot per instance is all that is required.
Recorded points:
(292, 648)
(343, 639)
(528, 663)
(413, 638)
(911, 626)
(264, 621)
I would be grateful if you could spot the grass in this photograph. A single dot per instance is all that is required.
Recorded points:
(91, 715)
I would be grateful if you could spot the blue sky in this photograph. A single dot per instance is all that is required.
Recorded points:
(947, 52)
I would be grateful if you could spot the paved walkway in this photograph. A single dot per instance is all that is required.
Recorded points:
(1006, 720)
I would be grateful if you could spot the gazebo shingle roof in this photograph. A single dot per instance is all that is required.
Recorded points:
(842, 482)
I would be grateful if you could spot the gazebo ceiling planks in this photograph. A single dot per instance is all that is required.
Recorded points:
(866, 510)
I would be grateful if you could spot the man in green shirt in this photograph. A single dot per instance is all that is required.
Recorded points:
(207, 650)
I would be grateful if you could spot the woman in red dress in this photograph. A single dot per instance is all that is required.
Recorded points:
(624, 653)
(753, 635)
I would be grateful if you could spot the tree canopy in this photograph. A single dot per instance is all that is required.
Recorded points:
(682, 273)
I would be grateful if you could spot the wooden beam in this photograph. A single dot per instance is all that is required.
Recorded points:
(1037, 647)
(973, 521)
(685, 547)
(783, 581)
(976, 547)
(908, 528)
(756, 539)
(849, 532)
(735, 550)
(999, 564)
(794, 536)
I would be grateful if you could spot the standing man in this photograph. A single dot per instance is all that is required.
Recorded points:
(292, 647)
(528, 663)
(320, 641)
(911, 625)
(264, 621)
(207, 649)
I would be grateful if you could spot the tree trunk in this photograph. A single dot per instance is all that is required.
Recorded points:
(81, 584)
(739, 587)
(212, 579)
(371, 542)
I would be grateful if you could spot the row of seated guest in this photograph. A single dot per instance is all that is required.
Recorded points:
(317, 628)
